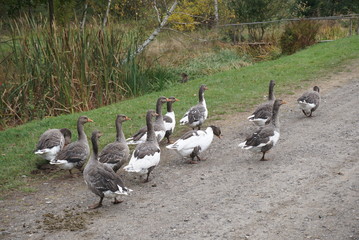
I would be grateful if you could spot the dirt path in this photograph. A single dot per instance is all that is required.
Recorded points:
(309, 189)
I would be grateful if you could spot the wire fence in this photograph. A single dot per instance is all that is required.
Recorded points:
(238, 29)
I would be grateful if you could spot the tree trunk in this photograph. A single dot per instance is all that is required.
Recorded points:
(142, 47)
(51, 14)
(106, 15)
(216, 16)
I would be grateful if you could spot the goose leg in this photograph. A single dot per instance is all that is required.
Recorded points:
(97, 205)
(311, 111)
(195, 154)
(263, 159)
(148, 173)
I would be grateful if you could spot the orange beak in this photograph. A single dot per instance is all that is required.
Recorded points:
(89, 120)
(176, 100)
(127, 118)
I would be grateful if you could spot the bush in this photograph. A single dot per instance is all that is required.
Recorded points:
(298, 35)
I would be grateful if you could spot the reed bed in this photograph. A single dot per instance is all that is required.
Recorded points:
(71, 70)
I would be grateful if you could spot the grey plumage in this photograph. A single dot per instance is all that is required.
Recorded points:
(197, 114)
(265, 137)
(116, 154)
(100, 178)
(146, 156)
(158, 125)
(76, 153)
(263, 112)
(309, 101)
(51, 142)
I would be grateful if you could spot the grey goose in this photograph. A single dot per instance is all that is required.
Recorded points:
(197, 114)
(265, 137)
(51, 142)
(309, 101)
(100, 178)
(263, 112)
(116, 154)
(76, 153)
(159, 126)
(169, 118)
(146, 156)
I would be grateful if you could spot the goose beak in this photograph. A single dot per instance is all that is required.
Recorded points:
(205, 88)
(127, 118)
(284, 102)
(89, 120)
(168, 100)
(176, 100)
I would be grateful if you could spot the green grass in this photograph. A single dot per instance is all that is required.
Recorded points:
(229, 92)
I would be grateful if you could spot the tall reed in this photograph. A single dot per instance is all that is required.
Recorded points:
(70, 70)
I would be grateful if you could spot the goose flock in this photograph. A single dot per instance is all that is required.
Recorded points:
(101, 171)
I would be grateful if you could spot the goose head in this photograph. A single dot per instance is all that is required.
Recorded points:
(122, 118)
(96, 134)
(83, 119)
(216, 131)
(67, 135)
(172, 100)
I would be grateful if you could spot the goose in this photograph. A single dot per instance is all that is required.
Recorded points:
(76, 153)
(159, 126)
(263, 112)
(51, 142)
(309, 101)
(100, 178)
(169, 118)
(116, 154)
(266, 137)
(193, 142)
(197, 114)
(146, 156)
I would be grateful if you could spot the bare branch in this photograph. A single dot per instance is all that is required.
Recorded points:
(154, 33)
(157, 11)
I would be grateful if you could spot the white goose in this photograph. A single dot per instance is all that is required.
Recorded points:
(197, 114)
(266, 137)
(193, 142)
(309, 101)
(100, 178)
(51, 142)
(159, 126)
(263, 112)
(169, 118)
(146, 156)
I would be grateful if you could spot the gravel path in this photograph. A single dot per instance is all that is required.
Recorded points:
(308, 190)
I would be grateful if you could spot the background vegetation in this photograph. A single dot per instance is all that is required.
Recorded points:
(78, 61)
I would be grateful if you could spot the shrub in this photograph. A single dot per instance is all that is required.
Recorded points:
(298, 35)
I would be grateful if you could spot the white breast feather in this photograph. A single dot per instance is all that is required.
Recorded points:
(170, 126)
(306, 106)
(141, 165)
